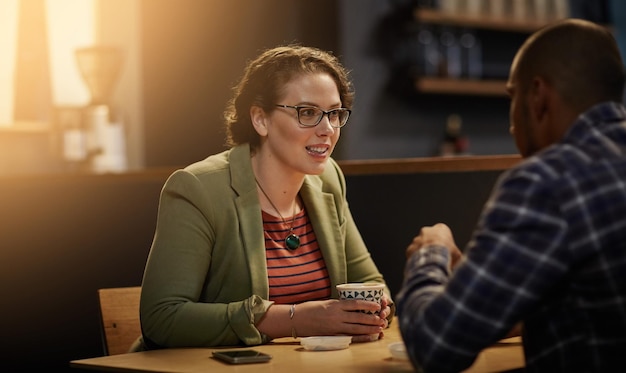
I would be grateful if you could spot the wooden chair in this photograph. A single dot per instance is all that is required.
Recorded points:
(119, 315)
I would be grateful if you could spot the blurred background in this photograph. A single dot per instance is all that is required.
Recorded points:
(100, 100)
(118, 85)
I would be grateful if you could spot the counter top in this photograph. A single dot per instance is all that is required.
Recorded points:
(431, 164)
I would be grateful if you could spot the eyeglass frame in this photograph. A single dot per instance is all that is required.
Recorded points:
(324, 113)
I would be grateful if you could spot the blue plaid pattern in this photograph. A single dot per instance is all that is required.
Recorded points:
(549, 250)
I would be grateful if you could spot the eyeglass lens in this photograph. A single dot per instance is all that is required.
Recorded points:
(311, 116)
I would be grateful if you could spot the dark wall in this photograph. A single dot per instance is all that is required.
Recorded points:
(64, 237)
(390, 209)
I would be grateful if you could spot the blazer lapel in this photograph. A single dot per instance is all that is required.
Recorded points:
(250, 219)
(322, 212)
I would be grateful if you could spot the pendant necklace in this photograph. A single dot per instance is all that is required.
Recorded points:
(292, 241)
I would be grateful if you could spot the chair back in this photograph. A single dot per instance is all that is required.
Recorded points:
(119, 315)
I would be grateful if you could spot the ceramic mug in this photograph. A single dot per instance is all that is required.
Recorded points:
(370, 291)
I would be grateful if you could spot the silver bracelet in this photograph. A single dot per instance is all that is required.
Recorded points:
(292, 311)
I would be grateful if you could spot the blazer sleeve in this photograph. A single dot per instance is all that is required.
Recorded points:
(171, 310)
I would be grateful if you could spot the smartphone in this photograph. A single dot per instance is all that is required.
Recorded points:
(242, 356)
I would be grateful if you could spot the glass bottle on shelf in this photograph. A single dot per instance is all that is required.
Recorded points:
(450, 53)
(427, 51)
(471, 55)
(454, 142)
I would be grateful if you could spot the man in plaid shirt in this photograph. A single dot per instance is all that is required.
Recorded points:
(549, 251)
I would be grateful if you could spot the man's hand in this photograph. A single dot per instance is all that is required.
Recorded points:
(438, 234)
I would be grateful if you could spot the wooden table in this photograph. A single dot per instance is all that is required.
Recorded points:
(290, 356)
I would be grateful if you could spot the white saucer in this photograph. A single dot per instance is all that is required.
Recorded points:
(398, 351)
(326, 343)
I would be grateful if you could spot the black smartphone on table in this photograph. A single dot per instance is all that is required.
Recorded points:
(242, 356)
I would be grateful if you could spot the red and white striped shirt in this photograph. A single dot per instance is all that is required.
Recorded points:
(298, 275)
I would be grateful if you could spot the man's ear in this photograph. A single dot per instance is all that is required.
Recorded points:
(259, 120)
(540, 93)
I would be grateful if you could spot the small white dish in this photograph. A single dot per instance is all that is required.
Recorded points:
(398, 351)
(326, 343)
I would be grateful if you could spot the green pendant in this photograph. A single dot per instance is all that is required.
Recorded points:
(292, 241)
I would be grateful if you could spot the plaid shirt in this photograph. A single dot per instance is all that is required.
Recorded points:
(549, 250)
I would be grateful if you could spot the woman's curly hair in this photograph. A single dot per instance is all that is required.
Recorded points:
(263, 82)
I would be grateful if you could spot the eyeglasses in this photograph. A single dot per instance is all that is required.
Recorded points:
(311, 116)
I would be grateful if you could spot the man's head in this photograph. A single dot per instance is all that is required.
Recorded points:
(558, 73)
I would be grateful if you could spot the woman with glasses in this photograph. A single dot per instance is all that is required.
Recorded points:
(251, 242)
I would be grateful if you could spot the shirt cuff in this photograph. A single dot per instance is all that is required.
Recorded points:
(244, 323)
(430, 256)
(258, 310)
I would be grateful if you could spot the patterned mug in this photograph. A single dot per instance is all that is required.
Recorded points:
(371, 291)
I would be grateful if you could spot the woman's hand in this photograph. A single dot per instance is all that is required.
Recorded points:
(385, 312)
(385, 309)
(343, 317)
(327, 317)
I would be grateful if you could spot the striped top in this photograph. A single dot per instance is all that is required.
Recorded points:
(298, 275)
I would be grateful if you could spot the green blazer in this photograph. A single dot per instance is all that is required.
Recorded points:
(205, 281)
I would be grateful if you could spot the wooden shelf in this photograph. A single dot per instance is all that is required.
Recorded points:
(481, 22)
(493, 88)
(25, 127)
(461, 86)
